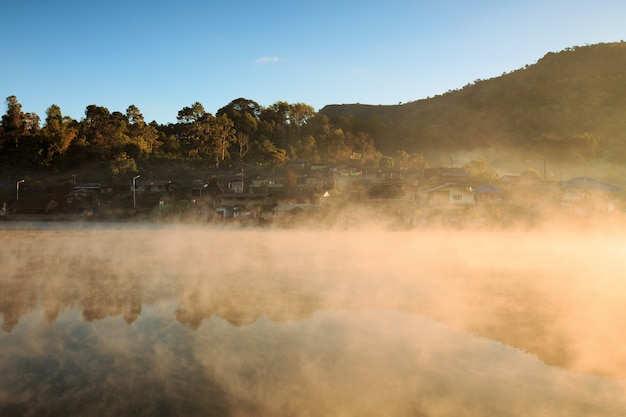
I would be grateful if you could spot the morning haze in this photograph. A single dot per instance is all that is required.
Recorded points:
(460, 255)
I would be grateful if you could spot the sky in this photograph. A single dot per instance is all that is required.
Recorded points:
(162, 56)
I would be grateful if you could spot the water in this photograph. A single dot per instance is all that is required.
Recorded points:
(183, 321)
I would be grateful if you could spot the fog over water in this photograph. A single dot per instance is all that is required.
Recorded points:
(135, 320)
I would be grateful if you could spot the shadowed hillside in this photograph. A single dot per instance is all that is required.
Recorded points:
(569, 107)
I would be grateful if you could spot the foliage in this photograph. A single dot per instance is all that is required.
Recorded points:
(386, 162)
(481, 170)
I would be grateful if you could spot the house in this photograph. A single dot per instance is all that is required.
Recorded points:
(312, 181)
(319, 167)
(243, 204)
(485, 193)
(234, 183)
(152, 186)
(282, 210)
(351, 171)
(450, 195)
(585, 195)
(302, 164)
(529, 190)
(95, 187)
(260, 182)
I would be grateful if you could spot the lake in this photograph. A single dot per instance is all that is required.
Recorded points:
(139, 320)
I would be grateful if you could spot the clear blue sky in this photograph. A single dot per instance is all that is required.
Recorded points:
(164, 55)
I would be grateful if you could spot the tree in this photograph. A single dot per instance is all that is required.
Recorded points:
(334, 145)
(361, 144)
(329, 140)
(223, 134)
(58, 134)
(245, 115)
(268, 152)
(244, 140)
(274, 124)
(386, 163)
(192, 114)
(411, 161)
(300, 114)
(97, 132)
(306, 148)
(480, 170)
(14, 123)
(140, 134)
(531, 173)
(134, 116)
(194, 129)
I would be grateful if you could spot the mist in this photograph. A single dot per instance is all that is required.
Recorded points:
(312, 322)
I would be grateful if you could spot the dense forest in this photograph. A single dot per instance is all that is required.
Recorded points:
(568, 107)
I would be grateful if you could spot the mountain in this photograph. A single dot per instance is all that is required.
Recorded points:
(569, 106)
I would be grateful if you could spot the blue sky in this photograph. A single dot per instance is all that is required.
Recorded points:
(164, 55)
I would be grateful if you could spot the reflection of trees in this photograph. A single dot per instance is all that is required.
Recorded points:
(43, 270)
(100, 306)
(15, 300)
(55, 271)
(242, 302)
(97, 301)
(107, 293)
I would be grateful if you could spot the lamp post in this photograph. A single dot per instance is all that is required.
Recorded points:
(134, 192)
(17, 189)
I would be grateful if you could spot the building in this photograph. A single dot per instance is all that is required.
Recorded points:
(451, 196)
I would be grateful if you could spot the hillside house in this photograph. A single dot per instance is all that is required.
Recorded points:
(486, 193)
(233, 205)
(586, 195)
(260, 182)
(283, 210)
(152, 186)
(351, 171)
(450, 195)
(95, 187)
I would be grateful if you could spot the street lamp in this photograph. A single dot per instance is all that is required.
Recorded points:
(17, 189)
(134, 192)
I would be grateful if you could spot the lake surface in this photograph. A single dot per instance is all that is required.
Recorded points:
(119, 320)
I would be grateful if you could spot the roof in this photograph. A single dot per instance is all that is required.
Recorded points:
(294, 207)
(486, 189)
(88, 186)
(590, 185)
(447, 185)
(244, 196)
(143, 182)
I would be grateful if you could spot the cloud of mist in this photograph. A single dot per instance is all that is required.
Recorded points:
(516, 320)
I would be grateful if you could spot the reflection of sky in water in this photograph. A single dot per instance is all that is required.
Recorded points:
(241, 323)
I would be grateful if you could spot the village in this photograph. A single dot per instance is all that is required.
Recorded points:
(310, 193)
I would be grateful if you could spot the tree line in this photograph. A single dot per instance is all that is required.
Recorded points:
(242, 132)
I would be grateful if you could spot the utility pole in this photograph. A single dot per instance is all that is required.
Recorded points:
(135, 192)
(17, 189)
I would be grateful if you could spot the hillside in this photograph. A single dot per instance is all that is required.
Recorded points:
(569, 106)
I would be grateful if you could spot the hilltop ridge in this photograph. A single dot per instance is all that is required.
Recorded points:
(568, 106)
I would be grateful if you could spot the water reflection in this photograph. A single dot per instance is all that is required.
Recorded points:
(265, 323)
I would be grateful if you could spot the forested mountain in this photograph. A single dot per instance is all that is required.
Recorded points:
(569, 106)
